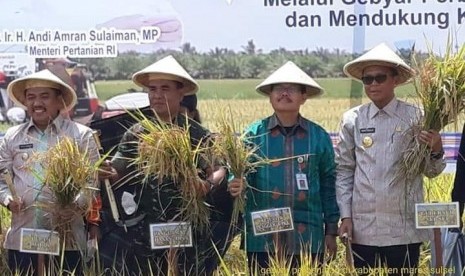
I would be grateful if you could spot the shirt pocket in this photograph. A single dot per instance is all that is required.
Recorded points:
(401, 138)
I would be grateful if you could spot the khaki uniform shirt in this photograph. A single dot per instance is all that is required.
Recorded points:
(368, 188)
(17, 148)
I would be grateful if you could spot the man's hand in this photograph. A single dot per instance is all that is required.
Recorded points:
(94, 232)
(15, 205)
(345, 230)
(432, 138)
(331, 246)
(106, 171)
(64, 214)
(236, 186)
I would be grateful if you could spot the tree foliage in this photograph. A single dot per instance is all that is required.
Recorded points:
(223, 63)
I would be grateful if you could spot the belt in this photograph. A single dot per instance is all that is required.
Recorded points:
(130, 222)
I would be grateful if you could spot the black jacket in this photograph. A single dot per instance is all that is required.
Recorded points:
(458, 191)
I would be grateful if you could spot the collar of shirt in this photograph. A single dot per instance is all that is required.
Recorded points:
(179, 120)
(274, 122)
(389, 109)
(54, 126)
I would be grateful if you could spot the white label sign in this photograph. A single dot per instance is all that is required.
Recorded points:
(435, 215)
(39, 241)
(272, 221)
(169, 235)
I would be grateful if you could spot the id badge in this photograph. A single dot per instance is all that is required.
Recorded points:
(301, 180)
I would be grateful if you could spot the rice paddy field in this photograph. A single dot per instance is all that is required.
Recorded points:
(240, 98)
(246, 105)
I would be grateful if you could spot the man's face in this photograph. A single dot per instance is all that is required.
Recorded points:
(43, 105)
(287, 97)
(165, 98)
(379, 84)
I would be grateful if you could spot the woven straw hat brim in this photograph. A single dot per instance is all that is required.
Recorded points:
(46, 79)
(355, 70)
(290, 73)
(380, 55)
(166, 69)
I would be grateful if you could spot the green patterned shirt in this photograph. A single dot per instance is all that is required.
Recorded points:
(274, 185)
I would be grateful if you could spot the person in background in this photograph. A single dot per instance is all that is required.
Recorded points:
(189, 107)
(304, 182)
(458, 190)
(377, 206)
(16, 115)
(79, 81)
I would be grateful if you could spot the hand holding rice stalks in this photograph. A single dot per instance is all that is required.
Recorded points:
(68, 174)
(166, 152)
(239, 156)
(440, 87)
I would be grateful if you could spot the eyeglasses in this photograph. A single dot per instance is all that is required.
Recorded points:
(367, 80)
(288, 89)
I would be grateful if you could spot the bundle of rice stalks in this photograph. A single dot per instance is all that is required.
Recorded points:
(166, 152)
(68, 172)
(238, 155)
(440, 87)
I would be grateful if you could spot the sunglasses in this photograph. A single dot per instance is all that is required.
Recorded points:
(367, 80)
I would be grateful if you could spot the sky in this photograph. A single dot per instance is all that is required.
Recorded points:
(231, 25)
(207, 24)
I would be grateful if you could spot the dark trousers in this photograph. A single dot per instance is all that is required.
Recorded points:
(122, 253)
(116, 252)
(27, 264)
(394, 260)
(222, 234)
(259, 263)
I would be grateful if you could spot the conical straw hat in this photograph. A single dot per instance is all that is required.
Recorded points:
(290, 73)
(46, 79)
(166, 69)
(380, 55)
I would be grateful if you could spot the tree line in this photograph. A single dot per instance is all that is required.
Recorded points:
(223, 63)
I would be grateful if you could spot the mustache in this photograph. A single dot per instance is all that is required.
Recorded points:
(284, 97)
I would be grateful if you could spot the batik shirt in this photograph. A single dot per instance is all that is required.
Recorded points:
(274, 185)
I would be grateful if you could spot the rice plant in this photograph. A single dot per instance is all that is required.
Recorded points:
(239, 156)
(440, 88)
(166, 152)
(68, 173)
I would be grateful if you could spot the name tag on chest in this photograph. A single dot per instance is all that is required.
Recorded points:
(26, 146)
(302, 183)
(368, 130)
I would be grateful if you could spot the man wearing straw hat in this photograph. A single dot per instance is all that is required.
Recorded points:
(47, 100)
(376, 203)
(302, 180)
(126, 244)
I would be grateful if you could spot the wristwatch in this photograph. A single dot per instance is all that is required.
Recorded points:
(437, 155)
